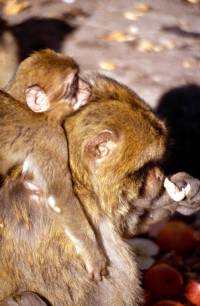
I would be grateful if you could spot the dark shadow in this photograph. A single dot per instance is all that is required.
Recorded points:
(180, 108)
(180, 32)
(38, 33)
(3, 26)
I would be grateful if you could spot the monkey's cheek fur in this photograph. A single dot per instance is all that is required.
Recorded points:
(174, 192)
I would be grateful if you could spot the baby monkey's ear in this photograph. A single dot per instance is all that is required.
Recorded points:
(37, 99)
(83, 94)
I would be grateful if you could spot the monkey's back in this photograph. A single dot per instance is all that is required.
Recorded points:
(26, 134)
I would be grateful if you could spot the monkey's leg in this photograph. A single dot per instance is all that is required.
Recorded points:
(24, 299)
(67, 208)
(79, 231)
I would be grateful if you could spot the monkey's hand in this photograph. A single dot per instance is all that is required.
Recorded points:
(191, 203)
(95, 262)
(26, 298)
(183, 196)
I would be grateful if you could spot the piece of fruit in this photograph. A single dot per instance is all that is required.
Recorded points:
(192, 292)
(163, 281)
(148, 299)
(177, 236)
(168, 303)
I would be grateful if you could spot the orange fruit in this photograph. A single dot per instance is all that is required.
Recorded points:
(177, 236)
(192, 292)
(163, 281)
(168, 303)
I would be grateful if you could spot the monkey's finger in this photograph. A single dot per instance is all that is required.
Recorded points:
(104, 272)
(97, 276)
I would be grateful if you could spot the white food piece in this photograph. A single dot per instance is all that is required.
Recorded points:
(174, 192)
(144, 249)
(146, 246)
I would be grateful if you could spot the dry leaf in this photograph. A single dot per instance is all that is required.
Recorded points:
(107, 65)
(168, 44)
(140, 10)
(118, 36)
(143, 7)
(188, 63)
(157, 48)
(13, 7)
(193, 1)
(133, 15)
(68, 1)
(133, 30)
(145, 45)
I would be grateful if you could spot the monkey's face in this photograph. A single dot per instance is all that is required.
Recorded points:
(114, 149)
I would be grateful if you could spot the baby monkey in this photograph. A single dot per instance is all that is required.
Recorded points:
(48, 82)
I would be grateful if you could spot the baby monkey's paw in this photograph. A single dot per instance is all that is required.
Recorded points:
(96, 265)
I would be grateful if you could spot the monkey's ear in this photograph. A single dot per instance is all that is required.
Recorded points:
(37, 99)
(83, 94)
(102, 145)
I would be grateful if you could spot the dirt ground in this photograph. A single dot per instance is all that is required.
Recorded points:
(151, 46)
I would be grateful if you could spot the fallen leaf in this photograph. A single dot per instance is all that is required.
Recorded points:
(139, 10)
(134, 30)
(13, 7)
(146, 45)
(133, 15)
(68, 1)
(193, 1)
(118, 36)
(168, 44)
(143, 7)
(107, 66)
(188, 63)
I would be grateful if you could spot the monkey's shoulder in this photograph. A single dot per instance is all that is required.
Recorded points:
(9, 105)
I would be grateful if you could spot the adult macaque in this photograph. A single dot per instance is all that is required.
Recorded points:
(115, 145)
(124, 146)
(39, 140)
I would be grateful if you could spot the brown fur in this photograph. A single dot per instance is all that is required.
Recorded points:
(108, 183)
(40, 139)
(24, 299)
(45, 68)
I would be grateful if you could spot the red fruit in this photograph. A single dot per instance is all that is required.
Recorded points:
(163, 281)
(148, 299)
(177, 236)
(168, 303)
(192, 292)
